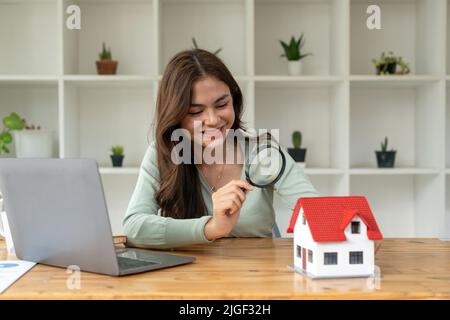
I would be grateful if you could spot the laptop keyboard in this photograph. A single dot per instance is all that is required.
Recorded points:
(127, 263)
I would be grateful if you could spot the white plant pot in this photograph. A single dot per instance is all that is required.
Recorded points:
(295, 67)
(33, 143)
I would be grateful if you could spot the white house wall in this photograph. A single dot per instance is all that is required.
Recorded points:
(303, 238)
(355, 242)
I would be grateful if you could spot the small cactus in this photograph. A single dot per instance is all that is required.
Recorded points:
(297, 139)
(105, 54)
(384, 145)
(117, 150)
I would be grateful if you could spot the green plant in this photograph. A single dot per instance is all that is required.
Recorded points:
(292, 51)
(105, 54)
(194, 42)
(117, 150)
(385, 60)
(10, 123)
(384, 145)
(297, 139)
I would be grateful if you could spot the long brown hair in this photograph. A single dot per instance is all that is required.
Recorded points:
(180, 195)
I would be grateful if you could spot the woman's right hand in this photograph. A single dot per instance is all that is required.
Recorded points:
(227, 203)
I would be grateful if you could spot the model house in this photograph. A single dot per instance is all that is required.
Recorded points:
(334, 237)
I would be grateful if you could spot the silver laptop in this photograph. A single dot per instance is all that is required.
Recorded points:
(58, 216)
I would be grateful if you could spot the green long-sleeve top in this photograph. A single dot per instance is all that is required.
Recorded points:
(145, 227)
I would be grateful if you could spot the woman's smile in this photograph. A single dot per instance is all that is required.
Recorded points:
(215, 133)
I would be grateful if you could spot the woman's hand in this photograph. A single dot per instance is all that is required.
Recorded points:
(377, 245)
(227, 203)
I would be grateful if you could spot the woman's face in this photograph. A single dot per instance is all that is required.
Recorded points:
(211, 111)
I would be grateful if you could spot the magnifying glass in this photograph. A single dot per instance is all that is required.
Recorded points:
(265, 164)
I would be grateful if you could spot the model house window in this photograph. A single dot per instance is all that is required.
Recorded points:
(356, 227)
(299, 251)
(303, 219)
(330, 258)
(310, 256)
(356, 257)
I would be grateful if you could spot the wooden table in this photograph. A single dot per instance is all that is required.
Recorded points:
(254, 269)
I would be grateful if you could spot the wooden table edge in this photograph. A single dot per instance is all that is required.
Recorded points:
(230, 296)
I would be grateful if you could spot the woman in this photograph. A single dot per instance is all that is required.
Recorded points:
(201, 202)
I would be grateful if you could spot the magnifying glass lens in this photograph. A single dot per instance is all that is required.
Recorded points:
(265, 166)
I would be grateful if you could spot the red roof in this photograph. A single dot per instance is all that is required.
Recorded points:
(328, 217)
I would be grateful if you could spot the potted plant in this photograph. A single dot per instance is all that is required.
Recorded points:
(297, 153)
(106, 65)
(385, 159)
(194, 43)
(10, 123)
(292, 52)
(117, 156)
(30, 140)
(387, 64)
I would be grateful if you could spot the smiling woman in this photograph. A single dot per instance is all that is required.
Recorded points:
(212, 110)
(200, 202)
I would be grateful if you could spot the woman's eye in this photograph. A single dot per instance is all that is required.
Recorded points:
(221, 106)
(195, 113)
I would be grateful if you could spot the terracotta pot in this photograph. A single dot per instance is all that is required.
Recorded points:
(107, 66)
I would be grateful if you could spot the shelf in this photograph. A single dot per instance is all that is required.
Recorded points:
(107, 80)
(317, 171)
(27, 2)
(393, 171)
(119, 171)
(297, 81)
(323, 171)
(344, 110)
(392, 81)
(29, 80)
(308, 171)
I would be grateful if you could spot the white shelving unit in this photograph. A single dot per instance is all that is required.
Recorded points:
(47, 74)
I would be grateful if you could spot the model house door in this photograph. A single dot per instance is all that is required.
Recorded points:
(304, 259)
